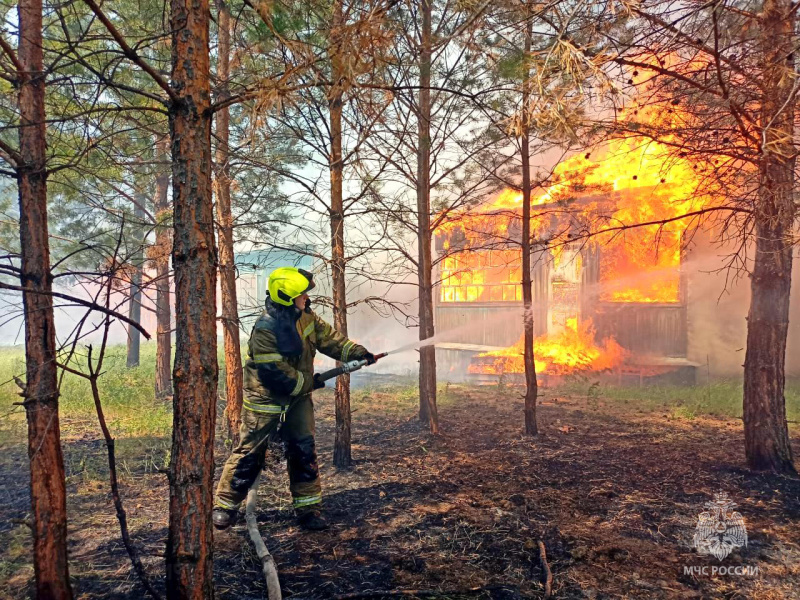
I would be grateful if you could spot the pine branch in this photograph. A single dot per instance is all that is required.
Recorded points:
(12, 56)
(14, 157)
(129, 52)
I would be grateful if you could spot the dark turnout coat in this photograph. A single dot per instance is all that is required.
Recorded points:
(281, 350)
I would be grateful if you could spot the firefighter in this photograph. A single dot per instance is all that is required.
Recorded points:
(278, 380)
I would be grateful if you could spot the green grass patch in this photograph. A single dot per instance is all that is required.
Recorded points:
(400, 398)
(127, 397)
(140, 424)
(720, 397)
(16, 568)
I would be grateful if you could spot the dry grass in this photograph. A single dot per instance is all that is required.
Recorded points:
(613, 489)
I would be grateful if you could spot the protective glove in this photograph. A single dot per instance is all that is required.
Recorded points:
(318, 383)
(370, 358)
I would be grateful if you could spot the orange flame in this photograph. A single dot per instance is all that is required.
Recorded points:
(572, 350)
(630, 195)
(627, 183)
(643, 186)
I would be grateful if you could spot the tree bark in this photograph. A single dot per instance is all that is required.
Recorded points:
(767, 444)
(531, 385)
(342, 456)
(227, 266)
(48, 488)
(195, 374)
(163, 250)
(135, 294)
(428, 412)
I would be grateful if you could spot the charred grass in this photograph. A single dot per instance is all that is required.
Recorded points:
(612, 485)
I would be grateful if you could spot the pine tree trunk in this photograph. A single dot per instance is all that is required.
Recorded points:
(531, 385)
(227, 260)
(195, 374)
(48, 489)
(135, 294)
(428, 412)
(342, 457)
(767, 444)
(163, 250)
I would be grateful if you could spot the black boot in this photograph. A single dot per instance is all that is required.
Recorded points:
(223, 517)
(312, 520)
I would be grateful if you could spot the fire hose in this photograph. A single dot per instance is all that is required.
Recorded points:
(348, 367)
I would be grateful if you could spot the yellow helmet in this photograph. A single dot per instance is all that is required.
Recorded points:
(287, 283)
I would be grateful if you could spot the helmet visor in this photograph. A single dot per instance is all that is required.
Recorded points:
(310, 277)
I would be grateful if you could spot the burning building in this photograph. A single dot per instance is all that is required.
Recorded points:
(618, 303)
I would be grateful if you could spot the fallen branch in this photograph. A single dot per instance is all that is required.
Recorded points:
(267, 562)
(548, 574)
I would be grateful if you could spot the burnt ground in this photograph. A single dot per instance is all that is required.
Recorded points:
(613, 492)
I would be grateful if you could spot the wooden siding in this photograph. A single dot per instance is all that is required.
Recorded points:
(486, 324)
(641, 328)
(644, 329)
(493, 323)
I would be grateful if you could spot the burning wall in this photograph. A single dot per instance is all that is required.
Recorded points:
(626, 287)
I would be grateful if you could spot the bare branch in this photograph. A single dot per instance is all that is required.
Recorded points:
(81, 301)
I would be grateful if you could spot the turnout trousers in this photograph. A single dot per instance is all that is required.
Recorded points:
(262, 423)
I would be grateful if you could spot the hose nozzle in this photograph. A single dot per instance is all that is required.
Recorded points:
(348, 367)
